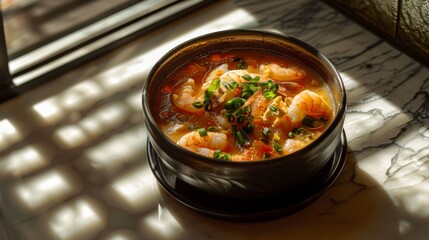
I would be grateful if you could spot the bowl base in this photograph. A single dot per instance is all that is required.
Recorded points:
(250, 209)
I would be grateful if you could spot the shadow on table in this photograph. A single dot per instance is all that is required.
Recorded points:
(355, 207)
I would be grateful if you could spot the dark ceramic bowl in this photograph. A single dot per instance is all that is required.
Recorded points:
(254, 179)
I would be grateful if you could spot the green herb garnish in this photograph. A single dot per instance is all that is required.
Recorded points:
(270, 89)
(218, 154)
(228, 86)
(233, 104)
(266, 132)
(246, 77)
(277, 147)
(197, 105)
(209, 92)
(202, 132)
(313, 122)
(213, 129)
(273, 108)
(241, 119)
(234, 84)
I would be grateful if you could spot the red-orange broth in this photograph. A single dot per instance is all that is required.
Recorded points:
(243, 105)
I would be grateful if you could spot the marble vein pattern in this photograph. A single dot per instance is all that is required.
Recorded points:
(73, 159)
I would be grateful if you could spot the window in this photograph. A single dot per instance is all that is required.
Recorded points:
(42, 38)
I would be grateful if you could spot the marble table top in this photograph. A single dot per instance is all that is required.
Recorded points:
(73, 152)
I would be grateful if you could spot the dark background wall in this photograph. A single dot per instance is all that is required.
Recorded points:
(404, 23)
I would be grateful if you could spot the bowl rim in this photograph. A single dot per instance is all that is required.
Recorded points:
(185, 153)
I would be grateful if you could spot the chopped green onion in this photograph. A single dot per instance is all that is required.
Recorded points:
(209, 92)
(246, 111)
(234, 84)
(277, 147)
(207, 103)
(246, 77)
(270, 90)
(246, 94)
(291, 134)
(269, 95)
(231, 117)
(248, 127)
(197, 105)
(265, 84)
(241, 119)
(241, 65)
(191, 127)
(234, 129)
(239, 112)
(240, 138)
(255, 79)
(213, 129)
(228, 86)
(218, 154)
(314, 123)
(299, 131)
(266, 155)
(234, 104)
(254, 87)
(308, 121)
(202, 132)
(245, 86)
(214, 86)
(273, 108)
(266, 132)
(247, 138)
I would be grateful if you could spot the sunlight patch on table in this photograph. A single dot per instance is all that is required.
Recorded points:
(82, 218)
(81, 95)
(414, 199)
(133, 191)
(71, 136)
(160, 224)
(46, 189)
(121, 234)
(9, 134)
(114, 154)
(23, 161)
(84, 95)
(121, 78)
(101, 121)
(49, 111)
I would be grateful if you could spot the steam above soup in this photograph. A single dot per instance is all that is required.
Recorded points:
(244, 105)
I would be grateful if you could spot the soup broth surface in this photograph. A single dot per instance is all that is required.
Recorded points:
(243, 105)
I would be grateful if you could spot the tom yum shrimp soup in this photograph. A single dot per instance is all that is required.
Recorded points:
(243, 105)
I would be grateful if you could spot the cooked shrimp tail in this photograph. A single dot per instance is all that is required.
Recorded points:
(308, 103)
(186, 97)
(278, 73)
(193, 141)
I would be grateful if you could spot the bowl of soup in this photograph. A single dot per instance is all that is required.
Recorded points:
(244, 113)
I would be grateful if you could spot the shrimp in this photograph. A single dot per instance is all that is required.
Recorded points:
(281, 74)
(308, 103)
(258, 104)
(292, 145)
(215, 73)
(224, 94)
(226, 78)
(223, 122)
(194, 142)
(185, 95)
